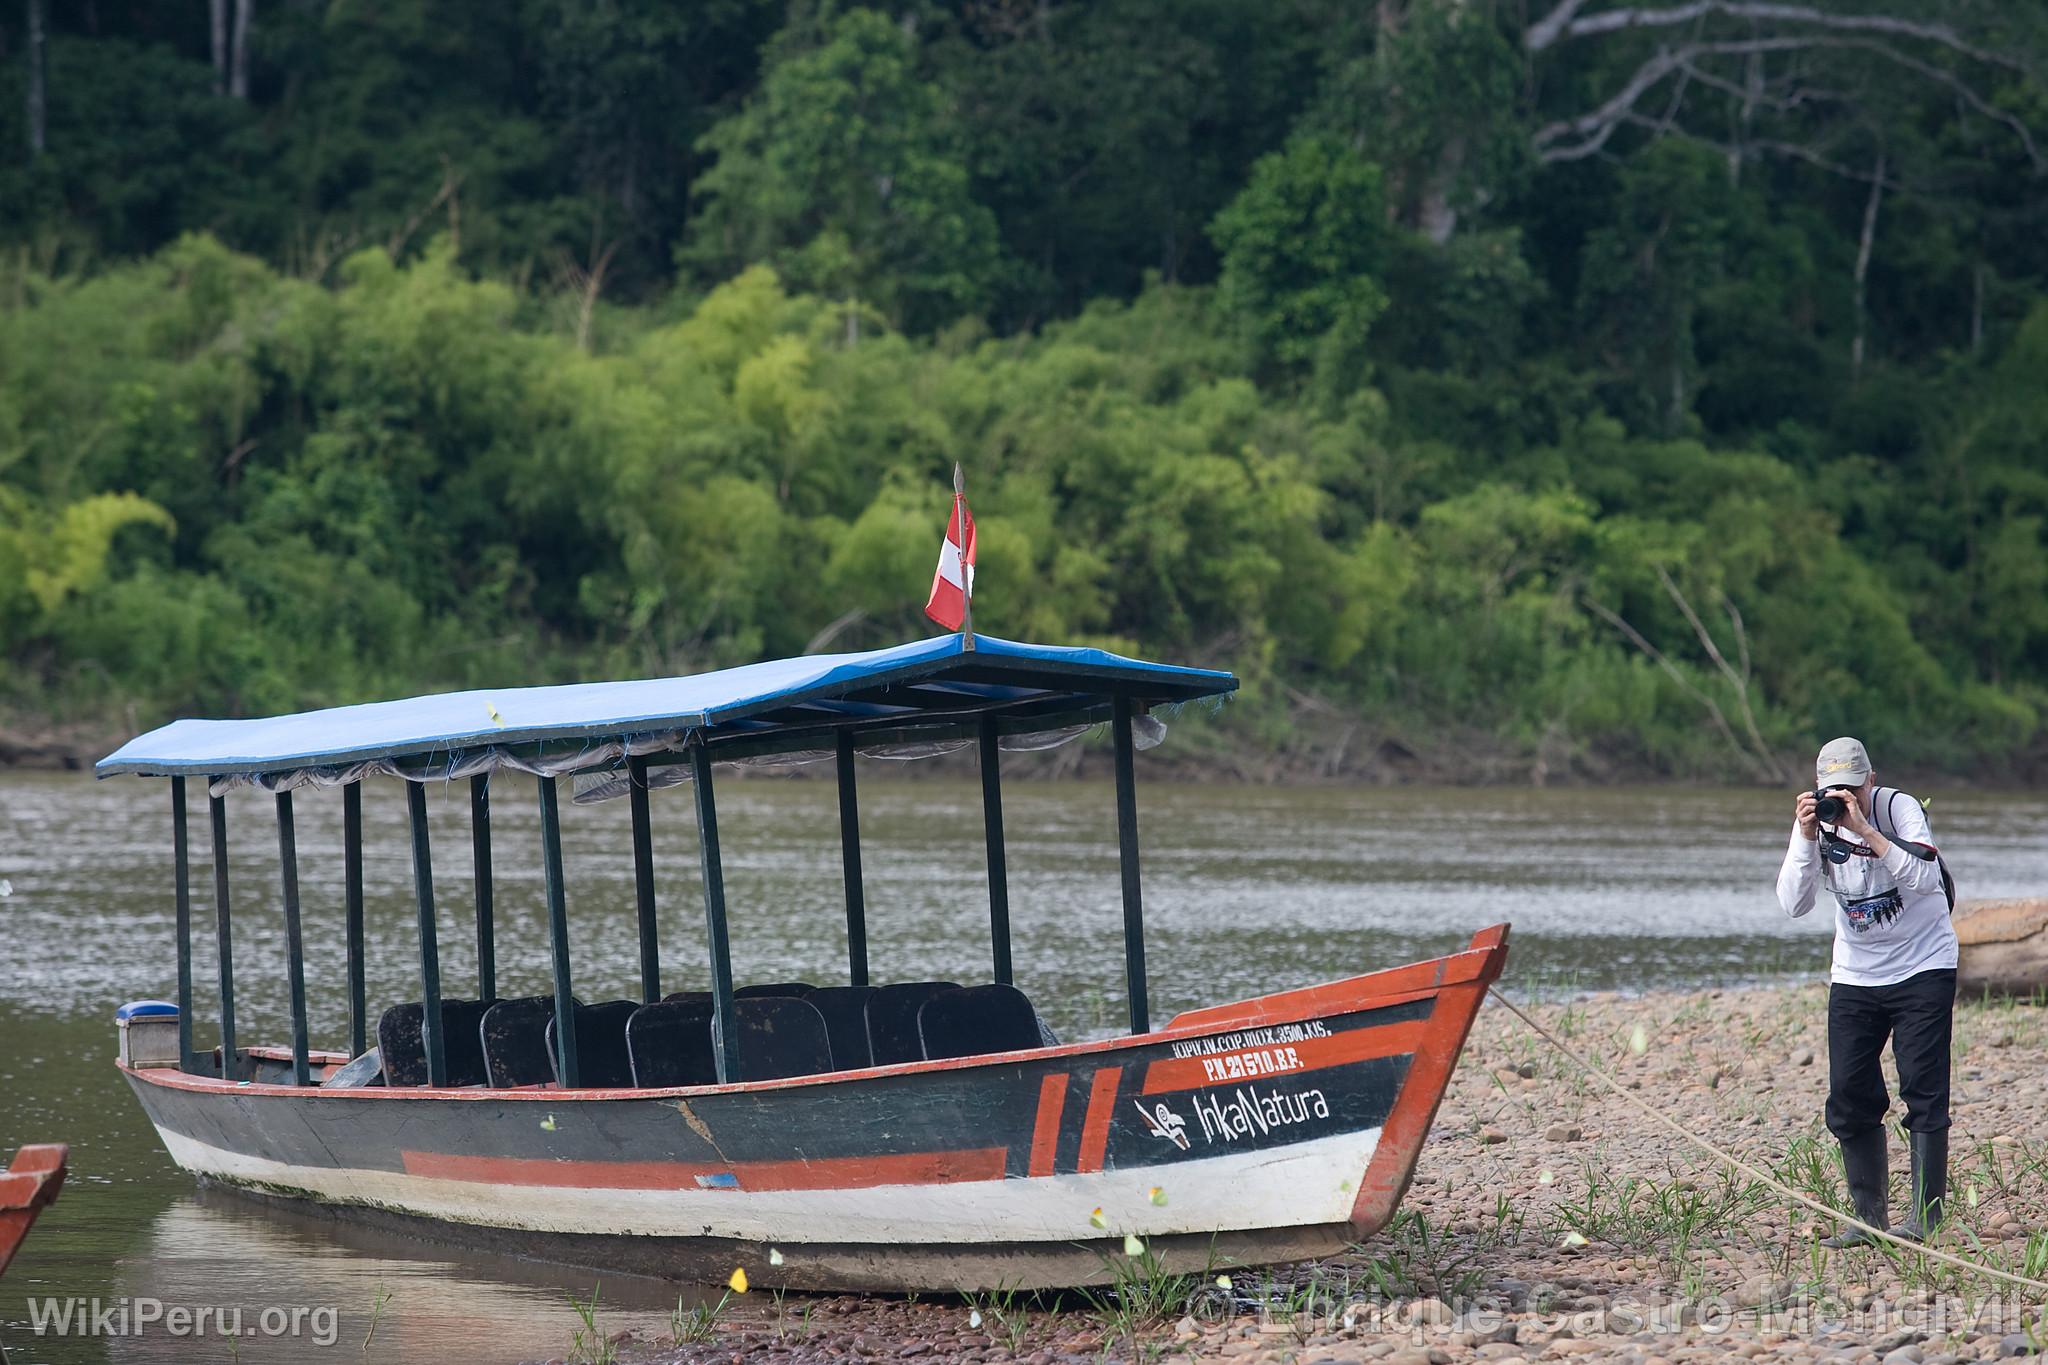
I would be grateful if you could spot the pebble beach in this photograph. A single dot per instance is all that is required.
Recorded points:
(1555, 1218)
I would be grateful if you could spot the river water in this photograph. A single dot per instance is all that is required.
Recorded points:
(1246, 890)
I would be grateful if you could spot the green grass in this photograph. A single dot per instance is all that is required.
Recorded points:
(1143, 1294)
(698, 1322)
(588, 1345)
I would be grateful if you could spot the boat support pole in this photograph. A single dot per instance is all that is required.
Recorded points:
(643, 881)
(486, 915)
(566, 1069)
(998, 867)
(294, 941)
(218, 808)
(430, 951)
(725, 1040)
(849, 856)
(181, 859)
(1127, 857)
(352, 913)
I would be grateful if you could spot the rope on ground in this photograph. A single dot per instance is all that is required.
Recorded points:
(1729, 1158)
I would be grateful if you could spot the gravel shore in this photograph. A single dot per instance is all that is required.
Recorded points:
(1551, 1218)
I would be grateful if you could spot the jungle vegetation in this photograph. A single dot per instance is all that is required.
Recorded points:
(1605, 387)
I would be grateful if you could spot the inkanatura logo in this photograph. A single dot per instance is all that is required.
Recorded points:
(1164, 1123)
(136, 1317)
(1245, 1112)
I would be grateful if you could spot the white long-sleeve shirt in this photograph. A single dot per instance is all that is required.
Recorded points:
(1891, 916)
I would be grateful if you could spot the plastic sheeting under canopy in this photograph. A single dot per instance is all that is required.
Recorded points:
(926, 690)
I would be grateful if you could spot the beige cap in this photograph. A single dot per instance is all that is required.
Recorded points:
(1842, 763)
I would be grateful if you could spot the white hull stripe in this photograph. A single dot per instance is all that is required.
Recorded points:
(1301, 1184)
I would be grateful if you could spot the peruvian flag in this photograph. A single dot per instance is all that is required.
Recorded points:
(953, 583)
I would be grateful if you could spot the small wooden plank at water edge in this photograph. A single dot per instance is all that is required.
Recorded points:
(28, 1186)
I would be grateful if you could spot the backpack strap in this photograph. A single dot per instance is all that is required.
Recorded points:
(1881, 815)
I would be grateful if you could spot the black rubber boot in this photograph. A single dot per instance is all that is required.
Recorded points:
(1864, 1163)
(1928, 1189)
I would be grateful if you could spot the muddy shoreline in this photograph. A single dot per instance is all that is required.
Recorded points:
(1552, 1219)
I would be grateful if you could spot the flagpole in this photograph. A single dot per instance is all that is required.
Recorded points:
(966, 570)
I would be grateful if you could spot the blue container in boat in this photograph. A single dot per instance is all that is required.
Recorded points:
(149, 1033)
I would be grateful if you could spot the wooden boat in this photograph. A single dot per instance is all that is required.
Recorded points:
(28, 1186)
(901, 1136)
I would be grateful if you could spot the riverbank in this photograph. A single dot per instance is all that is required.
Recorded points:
(1553, 1219)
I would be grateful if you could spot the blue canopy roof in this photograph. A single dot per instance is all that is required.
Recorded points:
(936, 685)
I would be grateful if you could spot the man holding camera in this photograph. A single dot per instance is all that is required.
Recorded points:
(1894, 976)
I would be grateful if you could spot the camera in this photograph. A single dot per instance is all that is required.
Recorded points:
(1827, 809)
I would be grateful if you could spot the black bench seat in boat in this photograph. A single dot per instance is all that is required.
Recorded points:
(798, 989)
(975, 1020)
(404, 1049)
(845, 1010)
(892, 1020)
(602, 1061)
(515, 1041)
(669, 1043)
(780, 1036)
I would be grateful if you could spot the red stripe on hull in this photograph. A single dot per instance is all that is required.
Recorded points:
(841, 1173)
(1095, 1126)
(1045, 1133)
(1284, 1059)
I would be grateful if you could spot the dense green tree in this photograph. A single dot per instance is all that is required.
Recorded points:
(1605, 385)
(845, 170)
(1304, 247)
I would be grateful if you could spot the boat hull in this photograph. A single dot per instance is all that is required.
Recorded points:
(29, 1185)
(1268, 1130)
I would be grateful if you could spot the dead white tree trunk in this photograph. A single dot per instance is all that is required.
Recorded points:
(217, 20)
(1435, 216)
(38, 126)
(1863, 246)
(238, 53)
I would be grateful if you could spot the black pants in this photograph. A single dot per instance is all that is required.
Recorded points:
(1918, 1014)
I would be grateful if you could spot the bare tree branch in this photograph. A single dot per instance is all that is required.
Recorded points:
(1741, 634)
(1764, 758)
(1796, 97)
(1566, 23)
(1551, 26)
(839, 626)
(217, 23)
(1595, 127)
(1713, 708)
(1833, 167)
(1948, 79)
(1864, 243)
(451, 181)
(586, 286)
(238, 51)
(38, 78)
